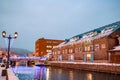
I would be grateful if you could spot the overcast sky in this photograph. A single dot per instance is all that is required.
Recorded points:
(53, 19)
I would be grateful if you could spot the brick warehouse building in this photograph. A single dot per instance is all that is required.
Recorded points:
(44, 46)
(90, 46)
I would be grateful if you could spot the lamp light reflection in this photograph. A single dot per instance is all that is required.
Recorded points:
(71, 75)
(89, 76)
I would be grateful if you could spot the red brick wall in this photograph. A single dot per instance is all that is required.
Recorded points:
(101, 53)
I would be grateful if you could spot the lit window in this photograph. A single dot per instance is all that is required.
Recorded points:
(88, 48)
(48, 51)
(53, 46)
(48, 46)
(85, 48)
(88, 56)
(70, 50)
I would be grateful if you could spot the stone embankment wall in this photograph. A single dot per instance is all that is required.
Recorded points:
(99, 67)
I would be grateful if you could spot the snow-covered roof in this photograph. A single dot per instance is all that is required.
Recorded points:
(59, 45)
(116, 48)
(93, 34)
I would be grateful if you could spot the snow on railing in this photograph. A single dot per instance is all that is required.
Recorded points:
(27, 58)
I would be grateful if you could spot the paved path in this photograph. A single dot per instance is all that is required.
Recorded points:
(2, 77)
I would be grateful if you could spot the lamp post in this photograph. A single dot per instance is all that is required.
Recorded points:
(9, 38)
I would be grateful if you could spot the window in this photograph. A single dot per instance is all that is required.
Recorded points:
(88, 56)
(55, 52)
(54, 46)
(80, 49)
(66, 51)
(76, 49)
(63, 51)
(48, 51)
(55, 42)
(96, 46)
(91, 47)
(58, 52)
(49, 42)
(70, 50)
(86, 48)
(103, 46)
(48, 46)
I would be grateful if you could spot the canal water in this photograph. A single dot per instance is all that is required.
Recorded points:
(54, 73)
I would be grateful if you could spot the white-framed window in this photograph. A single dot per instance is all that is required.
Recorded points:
(91, 47)
(70, 50)
(103, 46)
(48, 46)
(97, 47)
(80, 49)
(58, 52)
(86, 48)
(65, 50)
(49, 41)
(48, 51)
(54, 46)
(55, 52)
(76, 49)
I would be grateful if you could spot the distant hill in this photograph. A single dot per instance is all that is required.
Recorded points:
(19, 51)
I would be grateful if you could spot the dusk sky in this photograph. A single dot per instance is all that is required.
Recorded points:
(53, 19)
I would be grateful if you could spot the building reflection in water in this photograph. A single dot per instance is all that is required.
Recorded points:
(71, 77)
(47, 73)
(60, 71)
(54, 73)
(40, 73)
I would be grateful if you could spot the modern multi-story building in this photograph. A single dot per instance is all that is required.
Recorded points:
(94, 45)
(44, 46)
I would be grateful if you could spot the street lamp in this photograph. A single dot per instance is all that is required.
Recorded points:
(9, 38)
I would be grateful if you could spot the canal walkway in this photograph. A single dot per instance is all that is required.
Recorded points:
(2, 77)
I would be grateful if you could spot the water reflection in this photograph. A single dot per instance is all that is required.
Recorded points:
(30, 73)
(89, 76)
(53, 73)
(71, 75)
(47, 74)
